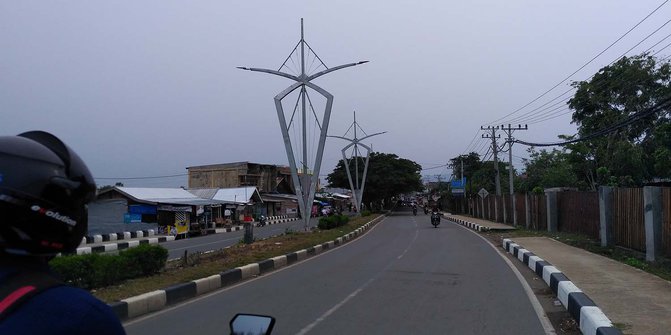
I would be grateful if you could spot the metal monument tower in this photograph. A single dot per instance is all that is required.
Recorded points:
(303, 75)
(357, 189)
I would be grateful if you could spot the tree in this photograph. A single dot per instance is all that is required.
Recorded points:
(545, 169)
(388, 176)
(472, 164)
(637, 151)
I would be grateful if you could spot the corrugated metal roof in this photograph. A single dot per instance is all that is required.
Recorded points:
(205, 193)
(237, 195)
(176, 196)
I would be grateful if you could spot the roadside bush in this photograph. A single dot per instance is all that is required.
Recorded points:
(145, 259)
(107, 270)
(75, 270)
(365, 213)
(97, 270)
(330, 222)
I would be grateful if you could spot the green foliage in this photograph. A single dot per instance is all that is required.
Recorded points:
(333, 221)
(75, 269)
(145, 259)
(98, 270)
(388, 176)
(635, 153)
(546, 169)
(365, 213)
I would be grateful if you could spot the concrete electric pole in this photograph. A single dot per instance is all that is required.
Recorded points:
(509, 131)
(497, 178)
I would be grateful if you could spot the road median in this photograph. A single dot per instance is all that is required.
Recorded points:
(134, 306)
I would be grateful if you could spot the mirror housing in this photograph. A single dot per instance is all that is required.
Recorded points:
(248, 324)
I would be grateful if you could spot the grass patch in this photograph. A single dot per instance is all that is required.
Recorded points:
(630, 257)
(203, 265)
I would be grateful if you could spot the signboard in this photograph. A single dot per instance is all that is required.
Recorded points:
(171, 208)
(142, 209)
(458, 183)
(458, 187)
(132, 218)
(483, 193)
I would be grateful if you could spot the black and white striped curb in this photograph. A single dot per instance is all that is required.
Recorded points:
(156, 300)
(590, 318)
(468, 224)
(117, 236)
(123, 245)
(145, 233)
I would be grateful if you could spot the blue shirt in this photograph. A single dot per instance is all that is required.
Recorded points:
(60, 310)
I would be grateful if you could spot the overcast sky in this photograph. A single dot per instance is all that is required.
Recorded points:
(147, 88)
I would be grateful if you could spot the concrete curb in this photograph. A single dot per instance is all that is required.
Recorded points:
(123, 245)
(467, 224)
(90, 239)
(153, 301)
(590, 318)
(151, 240)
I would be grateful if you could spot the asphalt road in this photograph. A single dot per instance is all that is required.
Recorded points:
(403, 277)
(219, 241)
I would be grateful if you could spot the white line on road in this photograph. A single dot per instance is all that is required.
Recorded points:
(411, 243)
(245, 282)
(334, 308)
(542, 317)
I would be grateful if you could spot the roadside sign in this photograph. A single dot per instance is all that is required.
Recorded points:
(483, 193)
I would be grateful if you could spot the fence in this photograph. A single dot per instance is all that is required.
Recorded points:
(578, 212)
(628, 218)
(666, 221)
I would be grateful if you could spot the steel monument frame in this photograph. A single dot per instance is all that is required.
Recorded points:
(305, 190)
(357, 192)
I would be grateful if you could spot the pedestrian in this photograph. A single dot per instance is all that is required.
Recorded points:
(44, 191)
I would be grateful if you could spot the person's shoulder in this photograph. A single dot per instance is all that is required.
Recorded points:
(89, 314)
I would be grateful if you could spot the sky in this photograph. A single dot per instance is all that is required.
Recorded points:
(148, 88)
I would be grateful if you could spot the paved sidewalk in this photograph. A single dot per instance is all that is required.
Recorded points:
(639, 301)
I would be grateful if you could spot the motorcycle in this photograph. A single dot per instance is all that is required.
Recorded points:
(426, 211)
(435, 219)
(414, 211)
(262, 221)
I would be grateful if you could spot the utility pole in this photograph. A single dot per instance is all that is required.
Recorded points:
(509, 131)
(495, 151)
(463, 184)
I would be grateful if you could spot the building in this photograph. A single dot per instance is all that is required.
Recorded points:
(167, 207)
(266, 178)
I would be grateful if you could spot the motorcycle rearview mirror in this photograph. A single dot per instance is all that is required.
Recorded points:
(252, 324)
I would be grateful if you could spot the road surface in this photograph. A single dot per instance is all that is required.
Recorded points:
(403, 277)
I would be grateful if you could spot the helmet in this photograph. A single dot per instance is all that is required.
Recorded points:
(44, 189)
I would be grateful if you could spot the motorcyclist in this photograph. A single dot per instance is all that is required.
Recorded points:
(44, 191)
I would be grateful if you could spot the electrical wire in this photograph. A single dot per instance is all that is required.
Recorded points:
(582, 67)
(666, 102)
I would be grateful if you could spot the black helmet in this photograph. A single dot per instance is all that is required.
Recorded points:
(44, 189)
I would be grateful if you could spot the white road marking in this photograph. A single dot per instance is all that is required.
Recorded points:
(542, 317)
(245, 282)
(309, 327)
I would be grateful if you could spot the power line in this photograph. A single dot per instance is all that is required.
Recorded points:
(583, 66)
(145, 177)
(629, 120)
